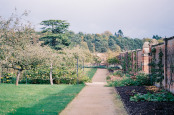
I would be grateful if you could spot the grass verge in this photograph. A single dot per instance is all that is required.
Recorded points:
(36, 99)
(90, 72)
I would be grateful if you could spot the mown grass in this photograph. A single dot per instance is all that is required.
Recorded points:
(90, 72)
(38, 99)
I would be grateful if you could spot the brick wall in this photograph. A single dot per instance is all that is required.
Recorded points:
(169, 64)
(144, 57)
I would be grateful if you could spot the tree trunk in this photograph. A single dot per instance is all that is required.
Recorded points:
(51, 78)
(1, 74)
(17, 78)
(0, 77)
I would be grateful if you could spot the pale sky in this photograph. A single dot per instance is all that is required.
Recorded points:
(136, 18)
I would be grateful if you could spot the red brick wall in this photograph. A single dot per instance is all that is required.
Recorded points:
(170, 65)
(143, 60)
(139, 59)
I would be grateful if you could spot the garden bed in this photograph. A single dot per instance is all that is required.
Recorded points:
(143, 107)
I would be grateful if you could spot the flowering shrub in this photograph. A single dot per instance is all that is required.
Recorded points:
(8, 77)
(139, 80)
(60, 76)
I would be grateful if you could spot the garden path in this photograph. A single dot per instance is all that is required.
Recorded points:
(95, 98)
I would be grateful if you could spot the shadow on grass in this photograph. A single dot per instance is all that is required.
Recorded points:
(51, 105)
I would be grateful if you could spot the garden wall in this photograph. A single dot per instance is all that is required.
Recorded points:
(141, 59)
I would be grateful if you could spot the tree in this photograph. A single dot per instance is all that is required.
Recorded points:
(113, 60)
(107, 33)
(57, 42)
(17, 46)
(156, 37)
(54, 26)
(111, 44)
(57, 39)
(120, 33)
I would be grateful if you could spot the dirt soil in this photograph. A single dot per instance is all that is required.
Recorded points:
(96, 99)
(143, 108)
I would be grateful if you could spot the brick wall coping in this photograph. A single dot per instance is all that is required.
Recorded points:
(169, 38)
(158, 44)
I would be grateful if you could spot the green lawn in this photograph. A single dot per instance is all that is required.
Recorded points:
(90, 72)
(37, 99)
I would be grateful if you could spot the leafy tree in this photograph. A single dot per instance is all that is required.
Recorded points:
(111, 44)
(55, 26)
(56, 42)
(120, 33)
(17, 46)
(156, 37)
(113, 60)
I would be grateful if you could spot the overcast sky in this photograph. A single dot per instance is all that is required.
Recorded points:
(136, 18)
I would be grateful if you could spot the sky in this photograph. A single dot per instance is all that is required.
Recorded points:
(136, 18)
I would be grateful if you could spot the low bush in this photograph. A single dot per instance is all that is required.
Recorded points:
(108, 78)
(8, 77)
(140, 80)
(118, 73)
(127, 75)
(161, 96)
(60, 76)
(124, 82)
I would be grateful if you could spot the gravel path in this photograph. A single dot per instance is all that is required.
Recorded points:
(94, 99)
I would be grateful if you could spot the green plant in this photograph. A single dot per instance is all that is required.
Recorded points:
(108, 78)
(36, 99)
(157, 71)
(8, 77)
(123, 82)
(118, 73)
(161, 96)
(142, 79)
(127, 75)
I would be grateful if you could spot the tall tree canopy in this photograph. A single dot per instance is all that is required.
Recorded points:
(57, 39)
(55, 26)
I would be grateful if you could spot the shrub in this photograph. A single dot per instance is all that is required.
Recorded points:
(8, 77)
(118, 73)
(140, 80)
(108, 78)
(124, 82)
(127, 75)
(60, 76)
(161, 96)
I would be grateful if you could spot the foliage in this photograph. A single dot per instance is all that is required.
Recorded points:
(8, 77)
(140, 80)
(17, 42)
(36, 99)
(113, 60)
(104, 42)
(156, 37)
(56, 39)
(160, 96)
(157, 72)
(61, 75)
(54, 26)
(90, 73)
(118, 73)
(57, 42)
(126, 63)
(124, 82)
